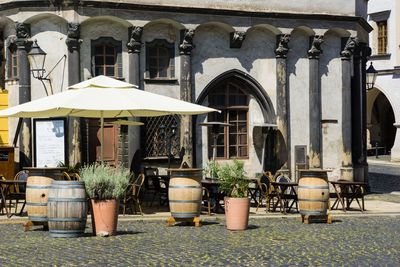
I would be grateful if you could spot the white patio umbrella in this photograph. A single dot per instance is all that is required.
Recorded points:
(104, 97)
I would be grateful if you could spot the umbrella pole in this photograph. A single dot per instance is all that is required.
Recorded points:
(101, 136)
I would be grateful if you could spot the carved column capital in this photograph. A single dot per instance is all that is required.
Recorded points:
(23, 34)
(73, 33)
(315, 46)
(186, 46)
(350, 45)
(282, 45)
(236, 39)
(135, 36)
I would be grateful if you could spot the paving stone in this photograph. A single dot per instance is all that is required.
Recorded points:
(349, 241)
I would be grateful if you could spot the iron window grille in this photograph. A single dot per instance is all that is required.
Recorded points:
(156, 140)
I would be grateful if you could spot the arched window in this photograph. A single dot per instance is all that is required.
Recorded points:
(233, 102)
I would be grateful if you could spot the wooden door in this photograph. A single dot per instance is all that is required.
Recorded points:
(110, 141)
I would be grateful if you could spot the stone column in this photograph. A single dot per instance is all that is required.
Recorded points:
(283, 100)
(359, 119)
(395, 151)
(134, 45)
(24, 44)
(346, 170)
(185, 50)
(74, 76)
(315, 150)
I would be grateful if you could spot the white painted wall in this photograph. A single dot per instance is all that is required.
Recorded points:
(298, 81)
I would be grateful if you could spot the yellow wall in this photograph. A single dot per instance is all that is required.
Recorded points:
(3, 121)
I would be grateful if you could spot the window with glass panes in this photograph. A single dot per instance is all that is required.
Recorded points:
(160, 59)
(12, 63)
(382, 37)
(105, 60)
(106, 56)
(232, 141)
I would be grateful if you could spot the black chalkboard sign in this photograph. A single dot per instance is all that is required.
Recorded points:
(3, 155)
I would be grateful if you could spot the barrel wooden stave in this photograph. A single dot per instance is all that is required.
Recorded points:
(37, 190)
(313, 193)
(185, 193)
(67, 209)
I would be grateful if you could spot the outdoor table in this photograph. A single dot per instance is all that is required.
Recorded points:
(212, 185)
(286, 194)
(346, 192)
(7, 194)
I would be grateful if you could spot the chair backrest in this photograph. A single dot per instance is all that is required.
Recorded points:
(21, 176)
(150, 171)
(282, 179)
(66, 176)
(156, 182)
(137, 185)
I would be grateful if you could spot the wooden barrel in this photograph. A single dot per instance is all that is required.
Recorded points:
(313, 192)
(37, 189)
(185, 193)
(67, 209)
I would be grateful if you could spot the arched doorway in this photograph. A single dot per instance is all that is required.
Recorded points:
(247, 107)
(382, 133)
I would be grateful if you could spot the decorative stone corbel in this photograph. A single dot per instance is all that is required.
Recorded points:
(349, 48)
(282, 45)
(186, 46)
(236, 39)
(135, 36)
(73, 33)
(315, 47)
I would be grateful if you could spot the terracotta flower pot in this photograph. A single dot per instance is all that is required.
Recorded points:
(237, 213)
(105, 216)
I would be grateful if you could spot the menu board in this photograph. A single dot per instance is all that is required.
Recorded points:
(49, 142)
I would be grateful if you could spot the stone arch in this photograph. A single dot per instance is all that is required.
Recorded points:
(228, 28)
(393, 100)
(381, 117)
(268, 27)
(256, 90)
(44, 16)
(340, 32)
(174, 23)
(304, 29)
(117, 20)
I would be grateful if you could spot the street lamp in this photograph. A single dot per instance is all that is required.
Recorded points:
(37, 58)
(371, 75)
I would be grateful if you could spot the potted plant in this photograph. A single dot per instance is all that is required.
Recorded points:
(235, 184)
(105, 185)
(211, 169)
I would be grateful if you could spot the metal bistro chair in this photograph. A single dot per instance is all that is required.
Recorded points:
(19, 191)
(206, 200)
(160, 190)
(286, 194)
(133, 194)
(267, 191)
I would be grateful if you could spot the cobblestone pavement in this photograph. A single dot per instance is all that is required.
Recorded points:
(349, 241)
(384, 187)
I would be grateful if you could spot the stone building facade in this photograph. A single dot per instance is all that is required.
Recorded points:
(288, 76)
(383, 108)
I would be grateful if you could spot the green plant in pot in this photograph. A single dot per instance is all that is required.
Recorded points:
(211, 169)
(235, 184)
(105, 185)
